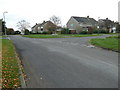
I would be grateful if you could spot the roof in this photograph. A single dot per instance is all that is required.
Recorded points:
(36, 25)
(103, 22)
(106, 20)
(42, 24)
(85, 20)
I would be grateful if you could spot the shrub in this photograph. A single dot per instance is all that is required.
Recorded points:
(84, 32)
(102, 31)
(27, 32)
(65, 31)
(10, 31)
(17, 32)
(95, 31)
(49, 32)
(44, 32)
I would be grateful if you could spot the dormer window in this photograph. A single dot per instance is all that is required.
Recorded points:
(38, 28)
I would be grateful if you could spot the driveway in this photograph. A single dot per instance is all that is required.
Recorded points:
(67, 63)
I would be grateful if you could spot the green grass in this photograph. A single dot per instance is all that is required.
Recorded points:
(10, 68)
(108, 43)
(2, 36)
(59, 36)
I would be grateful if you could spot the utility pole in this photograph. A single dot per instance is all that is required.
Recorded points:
(4, 21)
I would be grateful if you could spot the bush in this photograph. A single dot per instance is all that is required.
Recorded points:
(44, 32)
(95, 31)
(65, 31)
(84, 32)
(17, 32)
(103, 31)
(49, 32)
(10, 31)
(26, 32)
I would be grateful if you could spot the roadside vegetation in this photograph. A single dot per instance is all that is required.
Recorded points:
(0, 62)
(111, 43)
(59, 36)
(10, 68)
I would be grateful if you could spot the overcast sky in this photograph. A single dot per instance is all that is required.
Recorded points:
(35, 11)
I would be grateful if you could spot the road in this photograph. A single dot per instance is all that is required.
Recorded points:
(67, 63)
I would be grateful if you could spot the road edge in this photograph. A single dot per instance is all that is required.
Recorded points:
(22, 80)
(108, 49)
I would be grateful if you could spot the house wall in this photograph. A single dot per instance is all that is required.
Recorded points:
(36, 29)
(49, 26)
(45, 27)
(106, 24)
(74, 25)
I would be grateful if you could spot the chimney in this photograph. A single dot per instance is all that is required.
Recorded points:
(106, 18)
(44, 21)
(87, 16)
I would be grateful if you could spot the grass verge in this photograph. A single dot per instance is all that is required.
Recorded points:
(10, 68)
(111, 43)
(0, 63)
(59, 36)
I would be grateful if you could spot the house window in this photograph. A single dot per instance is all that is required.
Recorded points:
(38, 27)
(41, 29)
(71, 25)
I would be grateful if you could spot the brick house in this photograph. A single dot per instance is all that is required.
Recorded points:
(46, 26)
(79, 24)
(106, 24)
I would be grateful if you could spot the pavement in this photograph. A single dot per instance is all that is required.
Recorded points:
(66, 63)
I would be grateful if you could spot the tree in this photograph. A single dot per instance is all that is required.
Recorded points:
(10, 31)
(56, 20)
(27, 32)
(23, 25)
(17, 32)
(3, 27)
(65, 31)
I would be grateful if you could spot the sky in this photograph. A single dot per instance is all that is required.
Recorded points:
(36, 11)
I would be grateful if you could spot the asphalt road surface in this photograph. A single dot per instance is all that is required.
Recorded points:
(67, 63)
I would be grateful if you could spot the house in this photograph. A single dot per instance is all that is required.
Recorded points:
(106, 24)
(46, 26)
(79, 24)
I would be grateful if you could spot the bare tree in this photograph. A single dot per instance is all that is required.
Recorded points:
(56, 20)
(23, 25)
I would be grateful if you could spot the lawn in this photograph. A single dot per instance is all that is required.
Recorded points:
(111, 43)
(10, 68)
(59, 36)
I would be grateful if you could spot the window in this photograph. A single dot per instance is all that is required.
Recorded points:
(71, 25)
(38, 28)
(41, 29)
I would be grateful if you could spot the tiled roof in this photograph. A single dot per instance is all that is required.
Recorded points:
(85, 20)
